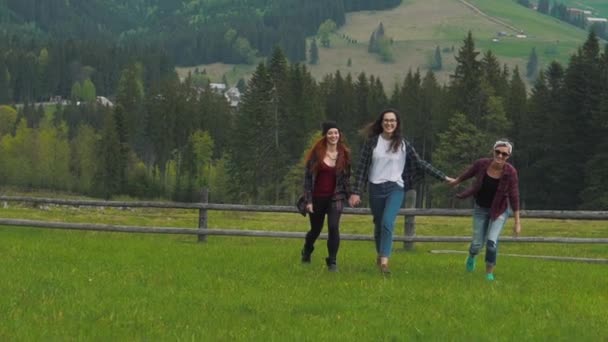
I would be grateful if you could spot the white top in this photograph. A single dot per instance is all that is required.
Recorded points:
(387, 166)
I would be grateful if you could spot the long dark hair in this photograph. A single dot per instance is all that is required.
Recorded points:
(375, 128)
(318, 150)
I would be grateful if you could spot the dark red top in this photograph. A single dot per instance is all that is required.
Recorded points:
(507, 192)
(325, 184)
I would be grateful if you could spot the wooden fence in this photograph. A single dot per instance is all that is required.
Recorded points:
(203, 231)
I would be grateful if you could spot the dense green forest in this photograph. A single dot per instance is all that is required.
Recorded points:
(191, 32)
(166, 138)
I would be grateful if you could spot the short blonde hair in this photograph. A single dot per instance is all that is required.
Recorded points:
(504, 142)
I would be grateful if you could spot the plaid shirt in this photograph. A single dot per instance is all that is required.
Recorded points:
(413, 170)
(507, 192)
(341, 192)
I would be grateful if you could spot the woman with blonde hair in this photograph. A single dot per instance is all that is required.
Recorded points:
(496, 194)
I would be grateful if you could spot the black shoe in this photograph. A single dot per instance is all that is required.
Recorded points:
(331, 265)
(306, 253)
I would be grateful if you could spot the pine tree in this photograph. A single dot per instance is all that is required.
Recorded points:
(305, 112)
(437, 60)
(278, 71)
(583, 85)
(595, 192)
(491, 73)
(129, 97)
(241, 85)
(543, 6)
(254, 141)
(465, 84)
(433, 119)
(515, 107)
(539, 155)
(372, 46)
(378, 100)
(410, 106)
(4, 83)
(532, 66)
(313, 52)
(362, 110)
(109, 170)
(160, 126)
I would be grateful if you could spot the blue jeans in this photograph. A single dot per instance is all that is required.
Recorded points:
(385, 200)
(486, 231)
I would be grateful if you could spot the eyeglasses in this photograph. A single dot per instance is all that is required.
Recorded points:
(501, 153)
(389, 120)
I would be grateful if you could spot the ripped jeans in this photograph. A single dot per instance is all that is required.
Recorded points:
(486, 231)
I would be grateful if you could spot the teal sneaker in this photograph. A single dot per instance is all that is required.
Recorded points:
(470, 263)
(490, 276)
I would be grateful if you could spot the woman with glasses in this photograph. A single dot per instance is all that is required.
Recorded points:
(496, 193)
(391, 166)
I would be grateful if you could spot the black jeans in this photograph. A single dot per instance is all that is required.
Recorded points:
(322, 206)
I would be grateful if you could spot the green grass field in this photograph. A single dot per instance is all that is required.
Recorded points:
(69, 285)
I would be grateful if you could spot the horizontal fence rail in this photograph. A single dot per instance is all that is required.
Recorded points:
(408, 239)
(278, 234)
(542, 257)
(546, 214)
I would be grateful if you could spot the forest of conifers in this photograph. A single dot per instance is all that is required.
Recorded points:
(166, 138)
(189, 31)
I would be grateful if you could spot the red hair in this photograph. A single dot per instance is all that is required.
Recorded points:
(318, 150)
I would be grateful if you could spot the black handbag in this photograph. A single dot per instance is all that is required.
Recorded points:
(301, 205)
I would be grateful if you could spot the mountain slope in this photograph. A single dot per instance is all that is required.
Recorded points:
(417, 27)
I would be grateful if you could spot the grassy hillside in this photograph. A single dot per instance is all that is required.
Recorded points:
(419, 26)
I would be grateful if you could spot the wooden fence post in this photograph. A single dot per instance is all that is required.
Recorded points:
(202, 215)
(409, 226)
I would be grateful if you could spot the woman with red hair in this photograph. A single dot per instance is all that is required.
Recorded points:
(326, 189)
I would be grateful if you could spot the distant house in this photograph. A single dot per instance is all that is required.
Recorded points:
(597, 20)
(502, 34)
(233, 95)
(55, 99)
(219, 88)
(104, 101)
(521, 36)
(573, 10)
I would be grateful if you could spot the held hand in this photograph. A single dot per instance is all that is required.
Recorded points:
(354, 200)
(516, 229)
(309, 208)
(451, 181)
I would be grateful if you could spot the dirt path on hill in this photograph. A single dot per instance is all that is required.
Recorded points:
(493, 19)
